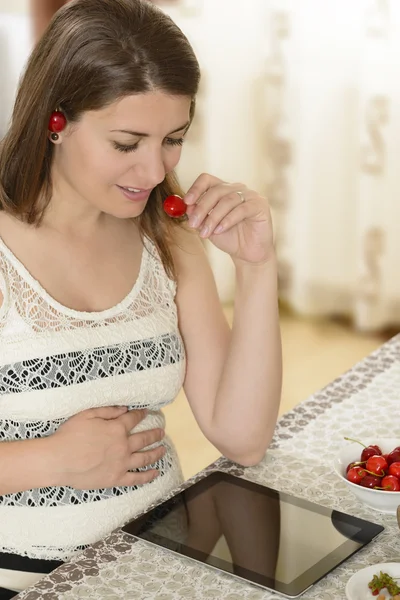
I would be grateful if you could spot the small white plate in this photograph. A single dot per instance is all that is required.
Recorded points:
(357, 586)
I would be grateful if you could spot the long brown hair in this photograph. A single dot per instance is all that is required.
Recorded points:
(92, 54)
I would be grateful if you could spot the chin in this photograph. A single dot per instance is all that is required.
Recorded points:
(127, 213)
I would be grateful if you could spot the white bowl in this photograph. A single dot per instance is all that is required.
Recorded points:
(381, 500)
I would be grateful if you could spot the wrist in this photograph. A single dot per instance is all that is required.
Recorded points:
(248, 271)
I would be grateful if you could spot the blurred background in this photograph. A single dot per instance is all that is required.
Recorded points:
(300, 99)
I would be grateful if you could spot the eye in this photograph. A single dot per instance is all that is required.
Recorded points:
(122, 148)
(174, 141)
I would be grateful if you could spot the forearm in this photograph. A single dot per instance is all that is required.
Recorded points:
(27, 465)
(248, 396)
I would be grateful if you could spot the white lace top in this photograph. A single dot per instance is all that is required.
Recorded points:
(55, 362)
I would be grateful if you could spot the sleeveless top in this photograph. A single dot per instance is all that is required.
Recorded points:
(56, 362)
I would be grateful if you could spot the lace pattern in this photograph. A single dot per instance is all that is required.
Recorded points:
(152, 294)
(30, 318)
(61, 496)
(75, 368)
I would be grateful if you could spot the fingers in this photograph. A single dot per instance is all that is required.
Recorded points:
(144, 439)
(207, 202)
(141, 460)
(105, 412)
(138, 478)
(200, 186)
(230, 203)
(226, 221)
(132, 418)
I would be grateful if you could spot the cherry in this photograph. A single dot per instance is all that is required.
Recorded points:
(390, 483)
(174, 206)
(375, 470)
(377, 465)
(356, 474)
(368, 450)
(354, 464)
(394, 469)
(394, 455)
(371, 481)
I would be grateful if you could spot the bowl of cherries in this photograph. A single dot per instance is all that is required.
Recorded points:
(372, 472)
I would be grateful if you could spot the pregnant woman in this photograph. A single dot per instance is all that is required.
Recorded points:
(107, 305)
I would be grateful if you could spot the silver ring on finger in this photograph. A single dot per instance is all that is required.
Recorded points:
(241, 196)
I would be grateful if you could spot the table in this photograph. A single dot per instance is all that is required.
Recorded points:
(360, 404)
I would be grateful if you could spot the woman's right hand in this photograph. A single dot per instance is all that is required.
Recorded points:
(96, 449)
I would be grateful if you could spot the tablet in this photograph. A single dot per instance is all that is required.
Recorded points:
(265, 537)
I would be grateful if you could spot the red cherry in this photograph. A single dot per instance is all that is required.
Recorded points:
(356, 474)
(394, 455)
(57, 122)
(391, 483)
(394, 469)
(377, 465)
(370, 451)
(371, 481)
(354, 464)
(174, 206)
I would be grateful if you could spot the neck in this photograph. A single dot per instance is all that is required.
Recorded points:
(67, 213)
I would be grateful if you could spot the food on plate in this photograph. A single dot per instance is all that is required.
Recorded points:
(382, 581)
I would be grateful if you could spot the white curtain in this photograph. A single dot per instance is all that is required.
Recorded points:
(15, 45)
(300, 99)
(338, 211)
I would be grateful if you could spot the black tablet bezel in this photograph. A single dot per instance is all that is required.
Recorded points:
(367, 532)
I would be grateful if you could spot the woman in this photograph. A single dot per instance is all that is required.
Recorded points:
(107, 305)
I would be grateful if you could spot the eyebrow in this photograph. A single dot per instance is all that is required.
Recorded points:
(139, 134)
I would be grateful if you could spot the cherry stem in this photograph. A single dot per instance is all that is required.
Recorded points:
(356, 441)
(375, 474)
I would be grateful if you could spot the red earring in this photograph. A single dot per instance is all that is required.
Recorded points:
(57, 123)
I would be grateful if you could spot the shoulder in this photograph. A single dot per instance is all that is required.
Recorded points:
(13, 234)
(12, 229)
(3, 219)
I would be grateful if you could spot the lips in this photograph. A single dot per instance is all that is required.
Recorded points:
(135, 194)
(131, 189)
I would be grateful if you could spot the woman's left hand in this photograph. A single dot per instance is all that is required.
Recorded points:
(235, 219)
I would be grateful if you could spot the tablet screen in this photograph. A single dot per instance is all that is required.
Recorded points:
(266, 537)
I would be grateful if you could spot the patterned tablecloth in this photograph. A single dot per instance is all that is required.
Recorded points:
(361, 403)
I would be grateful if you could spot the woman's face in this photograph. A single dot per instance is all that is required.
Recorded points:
(113, 158)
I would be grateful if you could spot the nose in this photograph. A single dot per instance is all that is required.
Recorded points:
(151, 170)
